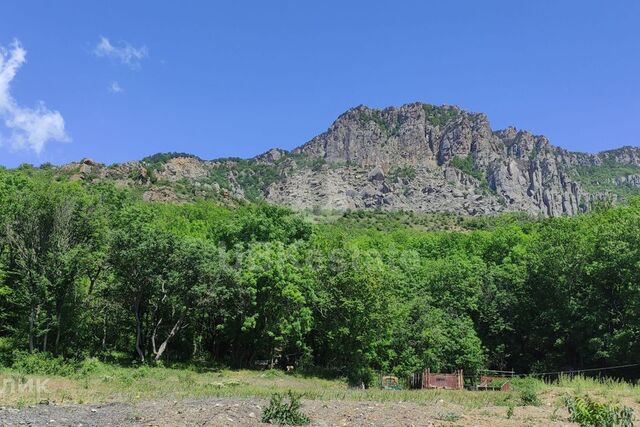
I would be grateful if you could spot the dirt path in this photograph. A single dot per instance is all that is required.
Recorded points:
(246, 412)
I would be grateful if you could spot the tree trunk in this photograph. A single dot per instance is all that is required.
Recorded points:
(163, 346)
(153, 337)
(104, 331)
(58, 331)
(194, 348)
(93, 279)
(139, 332)
(32, 315)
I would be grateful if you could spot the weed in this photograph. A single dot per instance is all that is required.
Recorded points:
(285, 413)
(21, 403)
(588, 413)
(510, 411)
(448, 416)
(272, 373)
(527, 391)
(529, 397)
(64, 395)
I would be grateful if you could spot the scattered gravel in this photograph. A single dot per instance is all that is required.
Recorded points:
(246, 412)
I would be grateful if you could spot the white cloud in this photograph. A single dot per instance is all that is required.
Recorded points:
(29, 128)
(115, 87)
(125, 53)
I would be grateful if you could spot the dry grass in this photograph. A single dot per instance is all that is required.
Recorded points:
(118, 384)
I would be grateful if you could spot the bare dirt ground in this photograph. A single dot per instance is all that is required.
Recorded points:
(247, 412)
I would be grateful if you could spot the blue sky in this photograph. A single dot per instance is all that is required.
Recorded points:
(118, 80)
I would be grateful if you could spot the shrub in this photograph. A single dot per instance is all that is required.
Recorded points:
(361, 376)
(588, 413)
(282, 412)
(41, 364)
(88, 366)
(145, 371)
(466, 165)
(376, 117)
(46, 364)
(162, 158)
(526, 388)
(439, 116)
(402, 172)
(529, 397)
(6, 351)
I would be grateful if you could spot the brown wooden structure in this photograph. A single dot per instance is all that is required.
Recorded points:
(430, 380)
(488, 382)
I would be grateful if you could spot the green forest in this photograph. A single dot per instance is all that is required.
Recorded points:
(92, 271)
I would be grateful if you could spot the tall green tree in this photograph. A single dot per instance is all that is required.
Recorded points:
(282, 292)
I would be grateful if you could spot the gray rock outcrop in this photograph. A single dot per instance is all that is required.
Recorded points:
(416, 157)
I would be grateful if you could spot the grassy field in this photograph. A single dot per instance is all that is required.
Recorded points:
(102, 383)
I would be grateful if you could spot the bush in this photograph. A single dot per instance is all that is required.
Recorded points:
(88, 366)
(529, 397)
(361, 376)
(46, 364)
(527, 391)
(587, 413)
(6, 351)
(402, 172)
(41, 364)
(466, 165)
(285, 413)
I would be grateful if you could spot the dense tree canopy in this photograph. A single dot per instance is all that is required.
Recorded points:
(91, 270)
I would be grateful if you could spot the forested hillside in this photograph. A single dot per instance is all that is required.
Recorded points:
(91, 270)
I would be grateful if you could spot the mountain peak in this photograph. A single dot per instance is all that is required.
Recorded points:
(417, 157)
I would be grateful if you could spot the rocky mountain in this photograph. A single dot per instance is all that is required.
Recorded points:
(416, 157)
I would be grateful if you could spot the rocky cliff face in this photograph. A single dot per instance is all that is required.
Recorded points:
(458, 163)
(416, 157)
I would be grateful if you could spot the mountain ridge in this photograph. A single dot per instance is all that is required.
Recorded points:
(416, 157)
